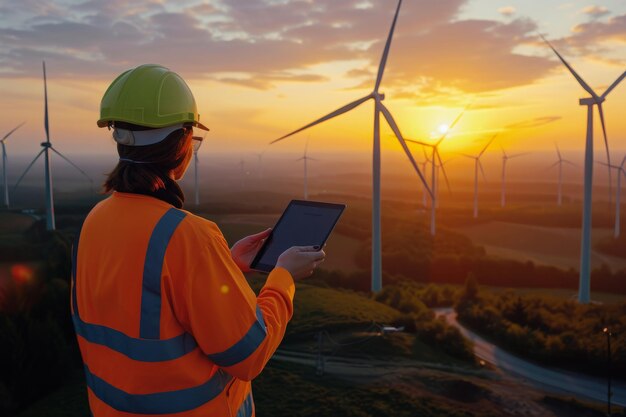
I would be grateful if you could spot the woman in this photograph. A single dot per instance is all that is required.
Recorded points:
(165, 319)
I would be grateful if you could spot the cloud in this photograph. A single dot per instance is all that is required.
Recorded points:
(268, 81)
(594, 38)
(536, 122)
(263, 43)
(595, 11)
(471, 56)
(507, 11)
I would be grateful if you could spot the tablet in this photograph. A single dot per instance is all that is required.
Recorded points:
(303, 223)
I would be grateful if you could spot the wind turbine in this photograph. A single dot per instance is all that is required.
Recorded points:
(4, 164)
(379, 108)
(505, 159)
(306, 158)
(435, 156)
(594, 100)
(242, 172)
(620, 172)
(560, 162)
(197, 142)
(47, 146)
(478, 164)
(259, 155)
(424, 170)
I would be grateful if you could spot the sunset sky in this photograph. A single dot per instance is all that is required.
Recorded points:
(262, 68)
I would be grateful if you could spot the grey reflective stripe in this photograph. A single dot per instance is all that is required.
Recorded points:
(247, 407)
(150, 321)
(167, 402)
(143, 350)
(245, 346)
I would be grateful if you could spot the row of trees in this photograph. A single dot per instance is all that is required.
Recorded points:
(418, 318)
(556, 332)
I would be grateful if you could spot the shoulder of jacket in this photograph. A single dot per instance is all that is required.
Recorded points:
(193, 226)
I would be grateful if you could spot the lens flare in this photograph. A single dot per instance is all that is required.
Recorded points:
(21, 273)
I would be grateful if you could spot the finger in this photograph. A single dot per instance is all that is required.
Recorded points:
(315, 256)
(307, 248)
(261, 235)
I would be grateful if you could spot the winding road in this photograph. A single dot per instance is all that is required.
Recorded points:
(553, 380)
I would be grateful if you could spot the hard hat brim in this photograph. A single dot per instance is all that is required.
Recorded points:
(201, 126)
(105, 123)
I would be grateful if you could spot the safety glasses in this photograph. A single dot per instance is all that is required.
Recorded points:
(197, 142)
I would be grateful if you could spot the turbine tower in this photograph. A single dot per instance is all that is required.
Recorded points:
(379, 108)
(505, 159)
(5, 180)
(259, 155)
(306, 158)
(594, 100)
(242, 170)
(424, 170)
(197, 142)
(560, 162)
(620, 172)
(47, 147)
(434, 175)
(478, 164)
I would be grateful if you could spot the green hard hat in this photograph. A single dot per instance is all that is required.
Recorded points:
(149, 95)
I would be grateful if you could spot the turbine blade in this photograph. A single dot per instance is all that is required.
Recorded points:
(608, 90)
(337, 112)
(569, 162)
(11, 132)
(72, 164)
(445, 176)
(487, 145)
(518, 154)
(312, 159)
(558, 151)
(606, 145)
(383, 59)
(418, 142)
(306, 146)
(28, 168)
(623, 161)
(451, 127)
(300, 159)
(553, 165)
(45, 95)
(582, 82)
(396, 130)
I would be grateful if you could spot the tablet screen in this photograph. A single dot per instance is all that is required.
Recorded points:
(304, 223)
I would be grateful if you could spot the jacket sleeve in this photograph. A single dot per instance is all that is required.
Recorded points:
(236, 330)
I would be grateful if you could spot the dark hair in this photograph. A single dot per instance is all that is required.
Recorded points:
(162, 158)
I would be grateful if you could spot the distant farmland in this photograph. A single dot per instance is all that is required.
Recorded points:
(543, 245)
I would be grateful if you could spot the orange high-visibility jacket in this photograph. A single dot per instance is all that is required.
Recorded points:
(166, 323)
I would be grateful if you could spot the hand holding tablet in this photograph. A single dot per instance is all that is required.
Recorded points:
(303, 224)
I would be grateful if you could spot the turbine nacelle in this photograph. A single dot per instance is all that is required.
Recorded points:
(590, 101)
(378, 96)
(46, 144)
